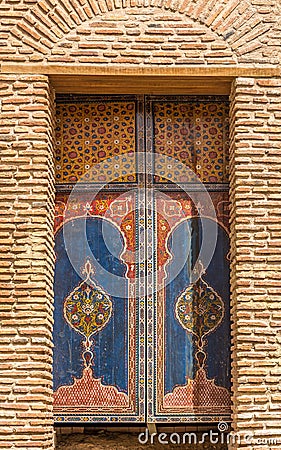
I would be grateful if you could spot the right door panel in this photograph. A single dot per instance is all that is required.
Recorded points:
(189, 305)
(191, 376)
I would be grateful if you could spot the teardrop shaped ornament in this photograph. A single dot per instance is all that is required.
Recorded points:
(88, 308)
(199, 309)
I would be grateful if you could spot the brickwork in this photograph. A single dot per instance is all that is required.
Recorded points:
(26, 262)
(129, 37)
(256, 250)
(141, 32)
(137, 33)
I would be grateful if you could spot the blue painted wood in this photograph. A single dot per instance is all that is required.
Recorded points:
(180, 345)
(111, 346)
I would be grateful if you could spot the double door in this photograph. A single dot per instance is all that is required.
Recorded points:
(141, 321)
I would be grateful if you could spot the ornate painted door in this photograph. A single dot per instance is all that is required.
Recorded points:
(141, 329)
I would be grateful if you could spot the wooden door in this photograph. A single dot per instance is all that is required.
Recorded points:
(137, 335)
(188, 372)
(99, 329)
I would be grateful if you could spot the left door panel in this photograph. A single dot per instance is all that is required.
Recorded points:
(99, 316)
(97, 334)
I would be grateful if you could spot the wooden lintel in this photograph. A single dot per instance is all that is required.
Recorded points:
(150, 85)
(187, 71)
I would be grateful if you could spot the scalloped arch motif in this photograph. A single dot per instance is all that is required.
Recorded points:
(240, 25)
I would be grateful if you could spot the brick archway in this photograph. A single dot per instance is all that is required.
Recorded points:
(238, 28)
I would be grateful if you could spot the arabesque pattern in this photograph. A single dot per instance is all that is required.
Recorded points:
(195, 134)
(90, 133)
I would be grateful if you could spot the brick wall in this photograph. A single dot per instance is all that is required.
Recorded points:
(126, 34)
(141, 32)
(256, 251)
(26, 262)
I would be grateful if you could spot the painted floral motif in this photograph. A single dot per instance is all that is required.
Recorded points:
(87, 135)
(199, 309)
(88, 308)
(194, 134)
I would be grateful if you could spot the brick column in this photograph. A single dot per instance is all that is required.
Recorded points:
(256, 253)
(26, 262)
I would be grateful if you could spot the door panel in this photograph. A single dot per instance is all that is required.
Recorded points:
(99, 330)
(190, 380)
(188, 370)
(193, 131)
(98, 337)
(90, 131)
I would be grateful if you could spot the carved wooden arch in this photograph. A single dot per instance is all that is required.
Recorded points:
(239, 24)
